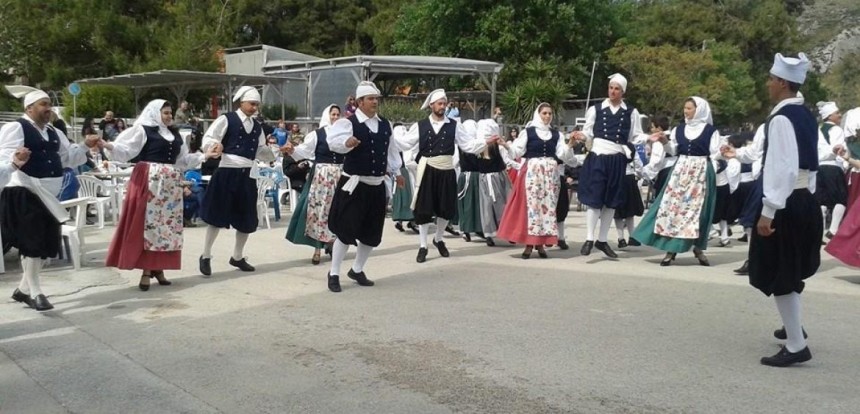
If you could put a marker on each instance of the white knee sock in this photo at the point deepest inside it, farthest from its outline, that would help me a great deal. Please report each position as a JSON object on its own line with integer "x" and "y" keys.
{"x": 30, "y": 278}
{"x": 789, "y": 310}
{"x": 239, "y": 248}
{"x": 361, "y": 255}
{"x": 592, "y": 216}
{"x": 560, "y": 230}
{"x": 606, "y": 216}
{"x": 838, "y": 214}
{"x": 724, "y": 230}
{"x": 748, "y": 231}
{"x": 630, "y": 224}
{"x": 211, "y": 235}
{"x": 619, "y": 227}
{"x": 423, "y": 229}
{"x": 338, "y": 252}
{"x": 824, "y": 217}
{"x": 441, "y": 224}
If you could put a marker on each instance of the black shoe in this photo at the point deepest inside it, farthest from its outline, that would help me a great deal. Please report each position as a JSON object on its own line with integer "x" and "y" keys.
{"x": 451, "y": 231}
{"x": 360, "y": 278}
{"x": 668, "y": 259}
{"x": 443, "y": 251}
{"x": 542, "y": 254}
{"x": 586, "y": 248}
{"x": 328, "y": 247}
{"x": 829, "y": 235}
{"x": 490, "y": 241}
{"x": 144, "y": 286}
{"x": 780, "y": 334}
{"x": 527, "y": 253}
{"x": 22, "y": 297}
{"x": 744, "y": 238}
{"x": 399, "y": 226}
{"x": 633, "y": 242}
{"x": 243, "y": 265}
{"x": 744, "y": 269}
{"x": 725, "y": 243}
{"x": 562, "y": 244}
{"x": 700, "y": 256}
{"x": 40, "y": 303}
{"x": 158, "y": 275}
{"x": 604, "y": 247}
{"x": 784, "y": 358}
{"x": 412, "y": 226}
{"x": 622, "y": 243}
{"x": 467, "y": 237}
{"x": 422, "y": 255}
{"x": 333, "y": 283}
{"x": 205, "y": 266}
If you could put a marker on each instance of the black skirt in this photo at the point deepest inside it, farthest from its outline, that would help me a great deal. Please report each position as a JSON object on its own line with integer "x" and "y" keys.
{"x": 752, "y": 206}
{"x": 27, "y": 224}
{"x": 634, "y": 206}
{"x": 360, "y": 216}
{"x": 721, "y": 210}
{"x": 831, "y": 187}
{"x": 562, "y": 207}
{"x": 437, "y": 196}
{"x": 781, "y": 262}
{"x": 738, "y": 199}
{"x": 601, "y": 181}
{"x": 231, "y": 200}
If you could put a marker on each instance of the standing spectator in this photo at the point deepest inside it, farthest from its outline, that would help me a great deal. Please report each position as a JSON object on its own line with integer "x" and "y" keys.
{"x": 108, "y": 127}
{"x": 182, "y": 115}
{"x": 453, "y": 111}
{"x": 281, "y": 134}
{"x": 120, "y": 125}
{"x": 296, "y": 136}
{"x": 350, "y": 107}
{"x": 87, "y": 127}
{"x": 57, "y": 122}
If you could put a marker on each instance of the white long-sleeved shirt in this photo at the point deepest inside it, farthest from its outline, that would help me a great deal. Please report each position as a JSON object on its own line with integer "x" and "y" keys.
{"x": 341, "y": 131}
{"x": 307, "y": 149}
{"x": 562, "y": 151}
{"x": 71, "y": 155}
{"x": 658, "y": 161}
{"x": 781, "y": 169}
{"x": 462, "y": 137}
{"x": 825, "y": 149}
{"x": 130, "y": 142}
{"x": 603, "y": 146}
{"x": 216, "y": 133}
{"x": 753, "y": 152}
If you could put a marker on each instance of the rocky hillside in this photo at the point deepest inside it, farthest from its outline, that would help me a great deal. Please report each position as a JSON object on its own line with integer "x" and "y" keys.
{"x": 832, "y": 31}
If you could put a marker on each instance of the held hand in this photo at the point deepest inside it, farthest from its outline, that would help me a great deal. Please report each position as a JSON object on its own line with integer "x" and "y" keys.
{"x": 218, "y": 148}
{"x": 287, "y": 148}
{"x": 840, "y": 151}
{"x": 728, "y": 152}
{"x": 401, "y": 182}
{"x": 212, "y": 152}
{"x": 578, "y": 135}
{"x": 658, "y": 137}
{"x": 352, "y": 142}
{"x": 92, "y": 141}
{"x": 764, "y": 226}
{"x": 22, "y": 155}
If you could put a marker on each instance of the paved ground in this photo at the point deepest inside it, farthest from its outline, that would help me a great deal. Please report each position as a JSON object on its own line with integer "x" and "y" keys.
{"x": 483, "y": 331}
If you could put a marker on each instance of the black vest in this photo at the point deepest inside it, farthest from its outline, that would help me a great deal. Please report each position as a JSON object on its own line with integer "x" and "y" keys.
{"x": 805, "y": 132}
{"x": 613, "y": 127}
{"x": 536, "y": 147}
{"x": 697, "y": 147}
{"x": 238, "y": 142}
{"x": 431, "y": 144}
{"x": 322, "y": 153}
{"x": 370, "y": 157}
{"x": 468, "y": 162}
{"x": 44, "y": 155}
{"x": 157, "y": 149}
{"x": 493, "y": 164}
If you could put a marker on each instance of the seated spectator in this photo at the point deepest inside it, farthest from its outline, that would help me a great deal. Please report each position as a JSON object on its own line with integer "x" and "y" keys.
{"x": 296, "y": 136}
{"x": 281, "y": 134}
{"x": 108, "y": 127}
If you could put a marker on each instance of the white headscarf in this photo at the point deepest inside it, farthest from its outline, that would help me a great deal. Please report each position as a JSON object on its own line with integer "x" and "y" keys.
{"x": 325, "y": 118}
{"x": 31, "y": 95}
{"x": 703, "y": 113}
{"x": 151, "y": 115}
{"x": 487, "y": 128}
{"x": 470, "y": 126}
{"x": 825, "y": 109}
{"x": 536, "y": 120}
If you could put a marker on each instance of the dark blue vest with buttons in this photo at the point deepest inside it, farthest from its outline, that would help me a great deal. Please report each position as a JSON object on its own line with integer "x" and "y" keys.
{"x": 613, "y": 127}
{"x": 805, "y": 132}
{"x": 44, "y": 155}
{"x": 536, "y": 147}
{"x": 157, "y": 149}
{"x": 698, "y": 147}
{"x": 370, "y": 157}
{"x": 238, "y": 142}
{"x": 322, "y": 153}
{"x": 746, "y": 168}
{"x": 431, "y": 144}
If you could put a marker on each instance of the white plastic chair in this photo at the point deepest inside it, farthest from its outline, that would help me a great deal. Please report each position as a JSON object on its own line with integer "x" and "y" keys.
{"x": 90, "y": 188}
{"x": 73, "y": 229}
{"x": 287, "y": 188}
{"x": 264, "y": 184}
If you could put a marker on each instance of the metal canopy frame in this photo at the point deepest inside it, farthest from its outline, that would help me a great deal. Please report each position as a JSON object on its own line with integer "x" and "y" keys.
{"x": 179, "y": 82}
{"x": 369, "y": 67}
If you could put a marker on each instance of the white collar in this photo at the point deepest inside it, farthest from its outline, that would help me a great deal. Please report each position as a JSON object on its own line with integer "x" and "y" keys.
{"x": 362, "y": 118}
{"x": 32, "y": 122}
{"x": 787, "y": 101}
{"x": 242, "y": 116}
{"x": 607, "y": 102}
{"x": 444, "y": 120}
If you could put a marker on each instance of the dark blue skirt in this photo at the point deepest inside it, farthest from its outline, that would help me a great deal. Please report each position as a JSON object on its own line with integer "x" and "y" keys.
{"x": 601, "y": 181}
{"x": 231, "y": 200}
{"x": 753, "y": 205}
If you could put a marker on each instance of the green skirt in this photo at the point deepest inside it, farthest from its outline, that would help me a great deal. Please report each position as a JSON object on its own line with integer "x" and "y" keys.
{"x": 401, "y": 202}
{"x": 296, "y": 231}
{"x": 469, "y": 203}
{"x": 644, "y": 232}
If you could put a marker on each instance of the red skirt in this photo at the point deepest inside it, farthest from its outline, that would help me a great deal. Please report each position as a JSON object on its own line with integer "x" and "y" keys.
{"x": 126, "y": 248}
{"x": 514, "y": 223}
{"x": 853, "y": 187}
{"x": 845, "y": 244}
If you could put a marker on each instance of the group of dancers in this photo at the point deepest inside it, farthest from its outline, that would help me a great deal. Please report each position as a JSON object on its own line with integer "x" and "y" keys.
{"x": 363, "y": 163}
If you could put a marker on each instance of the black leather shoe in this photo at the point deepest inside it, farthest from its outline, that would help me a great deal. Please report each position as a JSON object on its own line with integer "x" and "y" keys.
{"x": 829, "y": 235}
{"x": 562, "y": 244}
{"x": 40, "y": 303}
{"x": 144, "y": 286}
{"x": 467, "y": 237}
{"x": 700, "y": 256}
{"x": 586, "y": 248}
{"x": 668, "y": 259}
{"x": 22, "y": 297}
{"x": 412, "y": 226}
{"x": 604, "y": 247}
{"x": 542, "y": 254}
{"x": 744, "y": 269}
{"x": 527, "y": 253}
{"x": 451, "y": 231}
{"x": 159, "y": 276}
{"x": 784, "y": 358}
{"x": 633, "y": 242}
{"x": 243, "y": 265}
{"x": 205, "y": 266}
{"x": 490, "y": 241}
{"x": 622, "y": 243}
{"x": 780, "y": 334}
{"x": 443, "y": 251}
{"x": 399, "y": 226}
{"x": 744, "y": 238}
{"x": 422, "y": 255}
{"x": 360, "y": 278}
{"x": 333, "y": 283}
